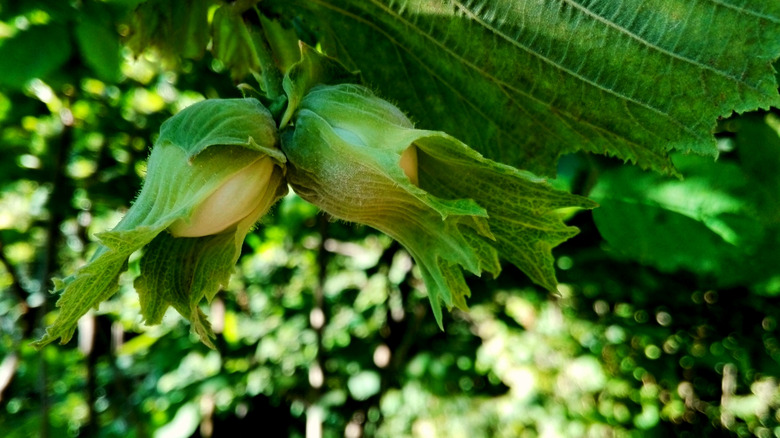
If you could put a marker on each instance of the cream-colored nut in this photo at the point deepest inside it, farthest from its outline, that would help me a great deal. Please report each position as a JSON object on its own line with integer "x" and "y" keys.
{"x": 409, "y": 164}
{"x": 233, "y": 201}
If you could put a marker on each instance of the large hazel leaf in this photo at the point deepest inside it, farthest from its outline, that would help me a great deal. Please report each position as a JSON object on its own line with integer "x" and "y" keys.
{"x": 524, "y": 81}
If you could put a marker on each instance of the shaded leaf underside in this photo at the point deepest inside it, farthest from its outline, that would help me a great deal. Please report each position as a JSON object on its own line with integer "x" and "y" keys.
{"x": 524, "y": 81}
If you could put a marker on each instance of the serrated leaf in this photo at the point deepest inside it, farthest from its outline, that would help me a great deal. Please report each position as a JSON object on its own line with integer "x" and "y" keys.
{"x": 521, "y": 208}
{"x": 94, "y": 283}
{"x": 523, "y": 81}
{"x": 180, "y": 272}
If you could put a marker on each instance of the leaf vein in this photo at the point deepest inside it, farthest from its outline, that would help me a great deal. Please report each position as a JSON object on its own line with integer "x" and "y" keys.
{"x": 578, "y": 76}
{"x": 747, "y": 11}
{"x": 501, "y": 84}
{"x": 656, "y": 47}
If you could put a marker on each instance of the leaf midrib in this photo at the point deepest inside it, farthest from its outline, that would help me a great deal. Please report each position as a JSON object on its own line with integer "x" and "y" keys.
{"x": 658, "y": 48}
{"x": 769, "y": 18}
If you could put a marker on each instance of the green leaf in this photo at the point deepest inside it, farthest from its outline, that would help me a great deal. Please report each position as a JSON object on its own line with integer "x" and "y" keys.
{"x": 721, "y": 222}
{"x": 521, "y": 208}
{"x": 757, "y": 144}
{"x": 283, "y": 43}
{"x": 98, "y": 42}
{"x": 21, "y": 54}
{"x": 232, "y": 43}
{"x": 345, "y": 155}
{"x": 236, "y": 122}
{"x": 95, "y": 282}
{"x": 524, "y": 81}
{"x": 126, "y": 3}
{"x": 176, "y": 28}
{"x": 180, "y": 272}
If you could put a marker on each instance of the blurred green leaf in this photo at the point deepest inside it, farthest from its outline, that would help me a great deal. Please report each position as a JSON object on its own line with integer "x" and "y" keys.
{"x": 757, "y": 144}
{"x": 126, "y": 3}
{"x": 364, "y": 384}
{"x": 184, "y": 423}
{"x": 176, "y": 28}
{"x": 720, "y": 221}
{"x": 98, "y": 41}
{"x": 23, "y": 54}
